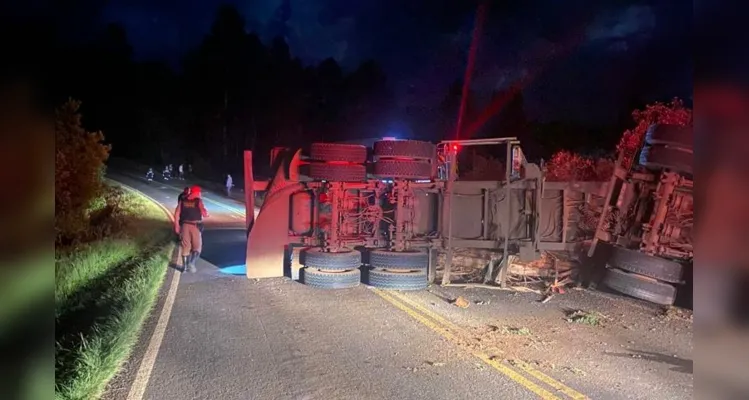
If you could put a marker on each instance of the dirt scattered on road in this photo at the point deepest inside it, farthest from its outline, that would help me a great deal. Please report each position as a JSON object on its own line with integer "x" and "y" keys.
{"x": 674, "y": 313}
{"x": 576, "y": 333}
{"x": 584, "y": 317}
{"x": 461, "y": 302}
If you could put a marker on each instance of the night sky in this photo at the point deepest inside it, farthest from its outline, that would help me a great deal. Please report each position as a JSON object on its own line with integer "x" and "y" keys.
{"x": 588, "y": 59}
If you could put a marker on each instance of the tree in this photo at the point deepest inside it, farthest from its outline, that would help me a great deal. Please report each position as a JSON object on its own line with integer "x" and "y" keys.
{"x": 672, "y": 113}
{"x": 79, "y": 165}
{"x": 327, "y": 94}
{"x": 279, "y": 24}
{"x": 566, "y": 165}
{"x": 366, "y": 102}
{"x": 234, "y": 93}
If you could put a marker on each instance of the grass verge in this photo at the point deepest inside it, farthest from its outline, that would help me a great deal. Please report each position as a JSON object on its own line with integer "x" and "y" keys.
{"x": 104, "y": 291}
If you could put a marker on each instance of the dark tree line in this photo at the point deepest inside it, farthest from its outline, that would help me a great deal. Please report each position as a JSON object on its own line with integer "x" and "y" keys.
{"x": 232, "y": 92}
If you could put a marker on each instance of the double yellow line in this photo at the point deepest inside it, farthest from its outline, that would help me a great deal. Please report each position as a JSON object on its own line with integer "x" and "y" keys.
{"x": 524, "y": 375}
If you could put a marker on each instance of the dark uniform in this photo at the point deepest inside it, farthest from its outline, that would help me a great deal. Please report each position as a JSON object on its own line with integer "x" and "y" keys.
{"x": 181, "y": 197}
{"x": 190, "y": 212}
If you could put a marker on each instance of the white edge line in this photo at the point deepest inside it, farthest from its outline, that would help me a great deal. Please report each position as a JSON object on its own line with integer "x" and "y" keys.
{"x": 139, "y": 385}
{"x": 138, "y": 388}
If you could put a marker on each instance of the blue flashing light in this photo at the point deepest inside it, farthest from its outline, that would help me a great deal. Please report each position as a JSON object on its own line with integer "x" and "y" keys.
{"x": 234, "y": 270}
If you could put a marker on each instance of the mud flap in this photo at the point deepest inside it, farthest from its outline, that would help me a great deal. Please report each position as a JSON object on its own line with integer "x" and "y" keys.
{"x": 269, "y": 234}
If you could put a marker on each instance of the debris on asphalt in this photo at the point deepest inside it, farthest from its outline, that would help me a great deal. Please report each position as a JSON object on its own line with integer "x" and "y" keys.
{"x": 584, "y": 317}
{"x": 676, "y": 313}
{"x": 435, "y": 364}
{"x": 516, "y": 331}
{"x": 543, "y": 364}
{"x": 575, "y": 371}
{"x": 482, "y": 302}
{"x": 461, "y": 302}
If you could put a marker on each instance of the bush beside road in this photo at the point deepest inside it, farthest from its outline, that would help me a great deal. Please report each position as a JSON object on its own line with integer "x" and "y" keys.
{"x": 105, "y": 290}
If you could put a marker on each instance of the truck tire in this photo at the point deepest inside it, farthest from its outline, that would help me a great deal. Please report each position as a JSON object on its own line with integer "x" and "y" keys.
{"x": 331, "y": 280}
{"x": 353, "y": 153}
{"x": 399, "y": 260}
{"x": 338, "y": 172}
{"x": 414, "y": 149}
{"x": 647, "y": 265}
{"x": 673, "y": 135}
{"x": 403, "y": 169}
{"x": 666, "y": 157}
{"x": 640, "y": 287}
{"x": 345, "y": 260}
{"x": 398, "y": 280}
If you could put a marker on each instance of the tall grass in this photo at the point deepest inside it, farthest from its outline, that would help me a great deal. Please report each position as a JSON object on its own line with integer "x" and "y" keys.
{"x": 104, "y": 292}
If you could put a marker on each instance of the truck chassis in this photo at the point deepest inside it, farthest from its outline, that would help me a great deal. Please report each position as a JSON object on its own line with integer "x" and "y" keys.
{"x": 335, "y": 211}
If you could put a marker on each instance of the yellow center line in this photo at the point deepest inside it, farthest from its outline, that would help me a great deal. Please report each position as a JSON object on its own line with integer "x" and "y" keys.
{"x": 521, "y": 365}
{"x": 447, "y": 334}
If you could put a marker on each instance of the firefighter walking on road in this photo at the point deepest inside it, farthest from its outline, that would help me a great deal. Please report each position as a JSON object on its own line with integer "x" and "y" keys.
{"x": 188, "y": 224}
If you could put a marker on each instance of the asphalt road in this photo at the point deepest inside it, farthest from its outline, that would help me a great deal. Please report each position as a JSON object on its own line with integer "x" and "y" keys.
{"x": 228, "y": 337}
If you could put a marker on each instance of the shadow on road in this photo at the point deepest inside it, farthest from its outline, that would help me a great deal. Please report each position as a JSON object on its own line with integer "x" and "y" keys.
{"x": 224, "y": 247}
{"x": 174, "y": 260}
{"x": 680, "y": 364}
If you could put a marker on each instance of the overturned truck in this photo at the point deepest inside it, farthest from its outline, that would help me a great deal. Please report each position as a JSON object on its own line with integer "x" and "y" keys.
{"x": 348, "y": 213}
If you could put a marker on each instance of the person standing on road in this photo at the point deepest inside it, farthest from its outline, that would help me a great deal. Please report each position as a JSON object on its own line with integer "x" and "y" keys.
{"x": 182, "y": 196}
{"x": 181, "y": 170}
{"x": 190, "y": 213}
{"x": 229, "y": 185}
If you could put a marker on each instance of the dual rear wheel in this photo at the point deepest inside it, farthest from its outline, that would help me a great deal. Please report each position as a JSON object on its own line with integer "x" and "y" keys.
{"x": 338, "y": 162}
{"x": 394, "y": 159}
{"x": 643, "y": 276}
{"x": 388, "y": 269}
{"x": 668, "y": 147}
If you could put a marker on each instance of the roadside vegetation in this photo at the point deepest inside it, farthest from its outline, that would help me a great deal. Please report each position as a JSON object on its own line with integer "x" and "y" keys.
{"x": 567, "y": 166}
{"x": 112, "y": 246}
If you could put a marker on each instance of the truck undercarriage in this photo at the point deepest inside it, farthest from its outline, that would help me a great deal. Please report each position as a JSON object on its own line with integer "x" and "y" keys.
{"x": 349, "y": 214}
{"x": 335, "y": 211}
